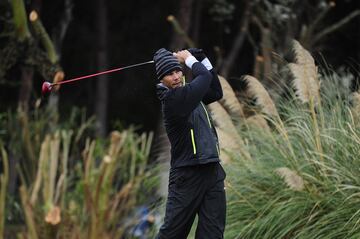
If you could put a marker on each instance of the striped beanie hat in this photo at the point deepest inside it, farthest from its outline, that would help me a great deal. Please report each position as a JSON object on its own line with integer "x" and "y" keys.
{"x": 165, "y": 63}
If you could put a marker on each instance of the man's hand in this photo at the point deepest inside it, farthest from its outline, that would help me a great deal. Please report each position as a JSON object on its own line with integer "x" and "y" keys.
{"x": 197, "y": 53}
{"x": 182, "y": 55}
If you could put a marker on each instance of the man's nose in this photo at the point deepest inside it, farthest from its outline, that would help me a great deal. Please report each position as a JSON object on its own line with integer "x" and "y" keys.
{"x": 175, "y": 76}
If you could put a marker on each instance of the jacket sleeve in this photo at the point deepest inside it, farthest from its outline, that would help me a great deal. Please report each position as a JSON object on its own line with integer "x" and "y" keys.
{"x": 214, "y": 92}
{"x": 183, "y": 100}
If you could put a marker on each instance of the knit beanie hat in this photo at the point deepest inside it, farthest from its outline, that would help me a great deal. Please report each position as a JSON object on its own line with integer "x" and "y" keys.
{"x": 165, "y": 62}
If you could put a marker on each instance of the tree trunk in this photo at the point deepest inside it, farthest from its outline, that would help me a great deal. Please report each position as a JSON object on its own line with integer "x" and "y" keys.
{"x": 266, "y": 50}
{"x": 238, "y": 42}
{"x": 197, "y": 22}
{"x": 184, "y": 18}
{"x": 13, "y": 175}
{"x": 23, "y": 35}
{"x": 60, "y": 31}
{"x": 101, "y": 100}
{"x": 25, "y": 88}
{"x": 266, "y": 46}
{"x": 57, "y": 39}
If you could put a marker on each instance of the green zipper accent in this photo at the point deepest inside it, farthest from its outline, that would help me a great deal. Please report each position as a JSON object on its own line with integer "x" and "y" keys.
{"x": 217, "y": 148}
{"x": 193, "y": 140}
{"x": 207, "y": 115}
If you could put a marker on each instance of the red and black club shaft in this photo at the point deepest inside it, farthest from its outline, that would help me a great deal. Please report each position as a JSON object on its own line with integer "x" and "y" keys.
{"x": 47, "y": 86}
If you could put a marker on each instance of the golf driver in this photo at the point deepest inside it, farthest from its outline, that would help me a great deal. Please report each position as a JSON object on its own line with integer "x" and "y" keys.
{"x": 47, "y": 86}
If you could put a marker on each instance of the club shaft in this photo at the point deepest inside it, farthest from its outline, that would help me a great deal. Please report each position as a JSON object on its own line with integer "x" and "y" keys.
{"x": 101, "y": 73}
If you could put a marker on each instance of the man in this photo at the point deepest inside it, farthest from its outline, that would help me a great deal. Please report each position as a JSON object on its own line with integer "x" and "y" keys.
{"x": 196, "y": 179}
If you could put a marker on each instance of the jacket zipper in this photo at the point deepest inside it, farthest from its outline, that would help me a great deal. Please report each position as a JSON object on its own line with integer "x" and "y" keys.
{"x": 207, "y": 115}
{"x": 193, "y": 140}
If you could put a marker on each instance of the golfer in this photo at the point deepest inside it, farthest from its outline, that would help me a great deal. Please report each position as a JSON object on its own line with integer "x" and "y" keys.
{"x": 196, "y": 179}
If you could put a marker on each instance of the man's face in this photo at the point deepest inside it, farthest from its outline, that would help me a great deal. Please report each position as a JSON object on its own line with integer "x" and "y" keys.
{"x": 173, "y": 79}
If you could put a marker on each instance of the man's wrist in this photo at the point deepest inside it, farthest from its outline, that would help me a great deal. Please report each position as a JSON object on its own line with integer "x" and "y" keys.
{"x": 207, "y": 63}
{"x": 190, "y": 60}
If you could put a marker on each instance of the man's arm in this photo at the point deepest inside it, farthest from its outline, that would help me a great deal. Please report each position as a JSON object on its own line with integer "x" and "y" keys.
{"x": 183, "y": 100}
{"x": 214, "y": 92}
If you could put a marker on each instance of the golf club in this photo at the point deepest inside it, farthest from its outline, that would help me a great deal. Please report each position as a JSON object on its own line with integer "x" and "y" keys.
{"x": 47, "y": 86}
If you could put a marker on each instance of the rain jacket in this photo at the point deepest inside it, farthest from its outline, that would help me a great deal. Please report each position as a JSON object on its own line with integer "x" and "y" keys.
{"x": 188, "y": 124}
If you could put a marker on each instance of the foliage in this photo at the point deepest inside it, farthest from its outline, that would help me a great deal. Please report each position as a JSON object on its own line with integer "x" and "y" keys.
{"x": 71, "y": 185}
{"x": 320, "y": 151}
{"x": 23, "y": 44}
{"x": 221, "y": 10}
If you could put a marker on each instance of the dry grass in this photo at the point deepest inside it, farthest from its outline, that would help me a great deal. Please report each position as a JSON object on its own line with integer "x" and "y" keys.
{"x": 257, "y": 91}
{"x": 229, "y": 100}
{"x": 304, "y": 72}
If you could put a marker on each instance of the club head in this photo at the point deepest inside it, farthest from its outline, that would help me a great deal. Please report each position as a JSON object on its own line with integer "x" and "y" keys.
{"x": 46, "y": 88}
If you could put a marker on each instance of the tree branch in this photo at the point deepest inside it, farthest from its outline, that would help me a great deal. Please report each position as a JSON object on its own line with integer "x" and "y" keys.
{"x": 20, "y": 22}
{"x": 183, "y": 20}
{"x": 336, "y": 26}
{"x": 319, "y": 18}
{"x": 179, "y": 30}
{"x": 257, "y": 22}
{"x": 60, "y": 32}
{"x": 44, "y": 37}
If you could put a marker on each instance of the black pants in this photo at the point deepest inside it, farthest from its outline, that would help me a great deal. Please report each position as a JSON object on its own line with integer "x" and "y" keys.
{"x": 195, "y": 190}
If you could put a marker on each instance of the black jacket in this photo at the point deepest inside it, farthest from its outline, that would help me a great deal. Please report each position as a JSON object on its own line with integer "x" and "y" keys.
{"x": 188, "y": 125}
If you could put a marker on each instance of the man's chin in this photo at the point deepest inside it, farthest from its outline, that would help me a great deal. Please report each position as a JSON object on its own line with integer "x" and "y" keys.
{"x": 177, "y": 85}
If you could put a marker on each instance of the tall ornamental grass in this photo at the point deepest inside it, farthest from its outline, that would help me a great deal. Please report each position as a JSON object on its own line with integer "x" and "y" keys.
{"x": 303, "y": 179}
